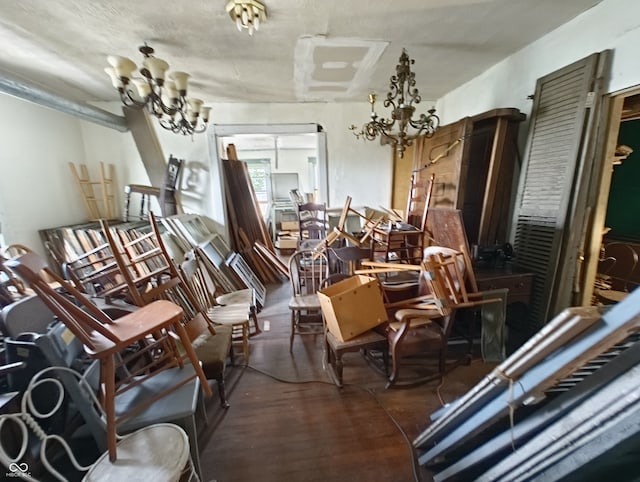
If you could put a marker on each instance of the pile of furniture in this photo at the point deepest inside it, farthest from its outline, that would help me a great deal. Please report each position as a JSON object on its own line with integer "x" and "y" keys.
{"x": 142, "y": 313}
{"x": 562, "y": 407}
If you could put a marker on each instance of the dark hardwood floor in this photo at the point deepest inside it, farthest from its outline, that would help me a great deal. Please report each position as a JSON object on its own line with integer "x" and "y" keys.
{"x": 289, "y": 422}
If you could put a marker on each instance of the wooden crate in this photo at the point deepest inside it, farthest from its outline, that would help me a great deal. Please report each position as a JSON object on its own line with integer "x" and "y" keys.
{"x": 352, "y": 306}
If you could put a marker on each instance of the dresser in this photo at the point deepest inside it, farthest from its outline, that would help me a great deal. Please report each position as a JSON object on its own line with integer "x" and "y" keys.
{"x": 519, "y": 284}
{"x": 473, "y": 162}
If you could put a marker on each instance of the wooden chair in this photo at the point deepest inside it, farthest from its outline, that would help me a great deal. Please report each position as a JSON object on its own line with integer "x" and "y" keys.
{"x": 370, "y": 227}
{"x": 233, "y": 311}
{"x": 312, "y": 219}
{"x": 424, "y": 324}
{"x": 618, "y": 261}
{"x": 155, "y": 452}
{"x": 12, "y": 289}
{"x": 58, "y": 348}
{"x": 212, "y": 350}
{"x": 151, "y": 329}
{"x": 418, "y": 201}
{"x": 166, "y": 194}
{"x": 398, "y": 243}
{"x": 151, "y": 274}
{"x": 308, "y": 269}
{"x": 15, "y": 250}
{"x": 96, "y": 273}
{"x": 363, "y": 343}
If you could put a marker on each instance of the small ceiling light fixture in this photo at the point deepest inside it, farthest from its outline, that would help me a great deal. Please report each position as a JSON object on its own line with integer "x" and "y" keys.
{"x": 165, "y": 99}
{"x": 401, "y": 97}
{"x": 248, "y": 14}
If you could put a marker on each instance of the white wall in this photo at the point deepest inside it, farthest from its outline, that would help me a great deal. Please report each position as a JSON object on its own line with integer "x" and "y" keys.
{"x": 37, "y": 189}
{"x": 612, "y": 24}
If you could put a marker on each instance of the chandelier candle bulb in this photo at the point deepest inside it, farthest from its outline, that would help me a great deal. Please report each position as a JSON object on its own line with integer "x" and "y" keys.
{"x": 157, "y": 68}
{"x": 171, "y": 91}
{"x": 181, "y": 80}
{"x": 115, "y": 80}
{"x": 122, "y": 66}
{"x": 195, "y": 105}
{"x": 142, "y": 87}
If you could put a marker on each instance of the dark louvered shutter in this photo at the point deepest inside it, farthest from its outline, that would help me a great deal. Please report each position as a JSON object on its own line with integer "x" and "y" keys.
{"x": 549, "y": 216}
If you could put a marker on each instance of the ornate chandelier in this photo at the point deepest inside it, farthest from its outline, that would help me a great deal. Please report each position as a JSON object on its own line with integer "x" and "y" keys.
{"x": 165, "y": 99}
{"x": 401, "y": 97}
{"x": 247, "y": 14}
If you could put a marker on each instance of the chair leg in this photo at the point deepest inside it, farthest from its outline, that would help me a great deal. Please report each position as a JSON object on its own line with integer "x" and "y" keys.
{"x": 254, "y": 317}
{"x": 245, "y": 342}
{"x": 395, "y": 347}
{"x": 395, "y": 368}
{"x": 191, "y": 354}
{"x": 189, "y": 426}
{"x": 442, "y": 362}
{"x": 108, "y": 375}
{"x": 293, "y": 330}
{"x": 232, "y": 356}
{"x": 142, "y": 202}
{"x": 339, "y": 366}
{"x": 127, "y": 200}
{"x": 221, "y": 391}
{"x": 385, "y": 358}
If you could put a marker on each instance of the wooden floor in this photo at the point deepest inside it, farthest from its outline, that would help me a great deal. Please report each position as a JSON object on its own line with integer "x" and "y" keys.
{"x": 289, "y": 422}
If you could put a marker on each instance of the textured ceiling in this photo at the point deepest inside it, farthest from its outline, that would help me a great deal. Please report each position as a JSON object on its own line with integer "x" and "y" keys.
{"x": 63, "y": 44}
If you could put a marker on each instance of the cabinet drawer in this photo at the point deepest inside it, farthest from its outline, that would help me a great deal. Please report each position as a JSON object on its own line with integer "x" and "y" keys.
{"x": 519, "y": 285}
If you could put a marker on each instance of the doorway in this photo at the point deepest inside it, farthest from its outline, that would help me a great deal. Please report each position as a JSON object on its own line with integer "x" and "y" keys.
{"x": 614, "y": 269}
{"x": 281, "y": 158}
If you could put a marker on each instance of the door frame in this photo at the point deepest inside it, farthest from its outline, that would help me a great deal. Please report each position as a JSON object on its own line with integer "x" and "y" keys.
{"x": 612, "y": 118}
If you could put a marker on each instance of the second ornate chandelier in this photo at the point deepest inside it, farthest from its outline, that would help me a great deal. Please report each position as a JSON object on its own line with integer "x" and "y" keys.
{"x": 164, "y": 98}
{"x": 401, "y": 97}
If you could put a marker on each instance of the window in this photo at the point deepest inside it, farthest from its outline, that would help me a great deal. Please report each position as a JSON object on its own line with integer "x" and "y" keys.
{"x": 260, "y": 174}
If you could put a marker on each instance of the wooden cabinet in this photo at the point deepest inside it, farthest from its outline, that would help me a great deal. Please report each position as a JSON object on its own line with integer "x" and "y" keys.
{"x": 473, "y": 161}
{"x": 518, "y": 284}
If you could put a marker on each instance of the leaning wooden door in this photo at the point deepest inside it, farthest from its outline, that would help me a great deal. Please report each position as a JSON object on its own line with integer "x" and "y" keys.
{"x": 551, "y": 212}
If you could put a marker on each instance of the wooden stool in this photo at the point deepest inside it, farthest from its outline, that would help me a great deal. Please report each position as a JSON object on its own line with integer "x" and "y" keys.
{"x": 365, "y": 341}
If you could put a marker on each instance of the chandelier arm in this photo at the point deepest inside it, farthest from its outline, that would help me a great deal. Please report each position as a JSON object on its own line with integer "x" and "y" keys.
{"x": 415, "y": 97}
{"x": 155, "y": 108}
{"x": 166, "y": 124}
{"x": 401, "y": 98}
{"x": 202, "y": 128}
{"x": 127, "y": 98}
{"x": 385, "y": 124}
{"x": 431, "y": 121}
{"x": 391, "y": 96}
{"x": 169, "y": 110}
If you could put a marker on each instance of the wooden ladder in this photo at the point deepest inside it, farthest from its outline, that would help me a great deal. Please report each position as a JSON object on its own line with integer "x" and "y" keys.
{"x": 97, "y": 207}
